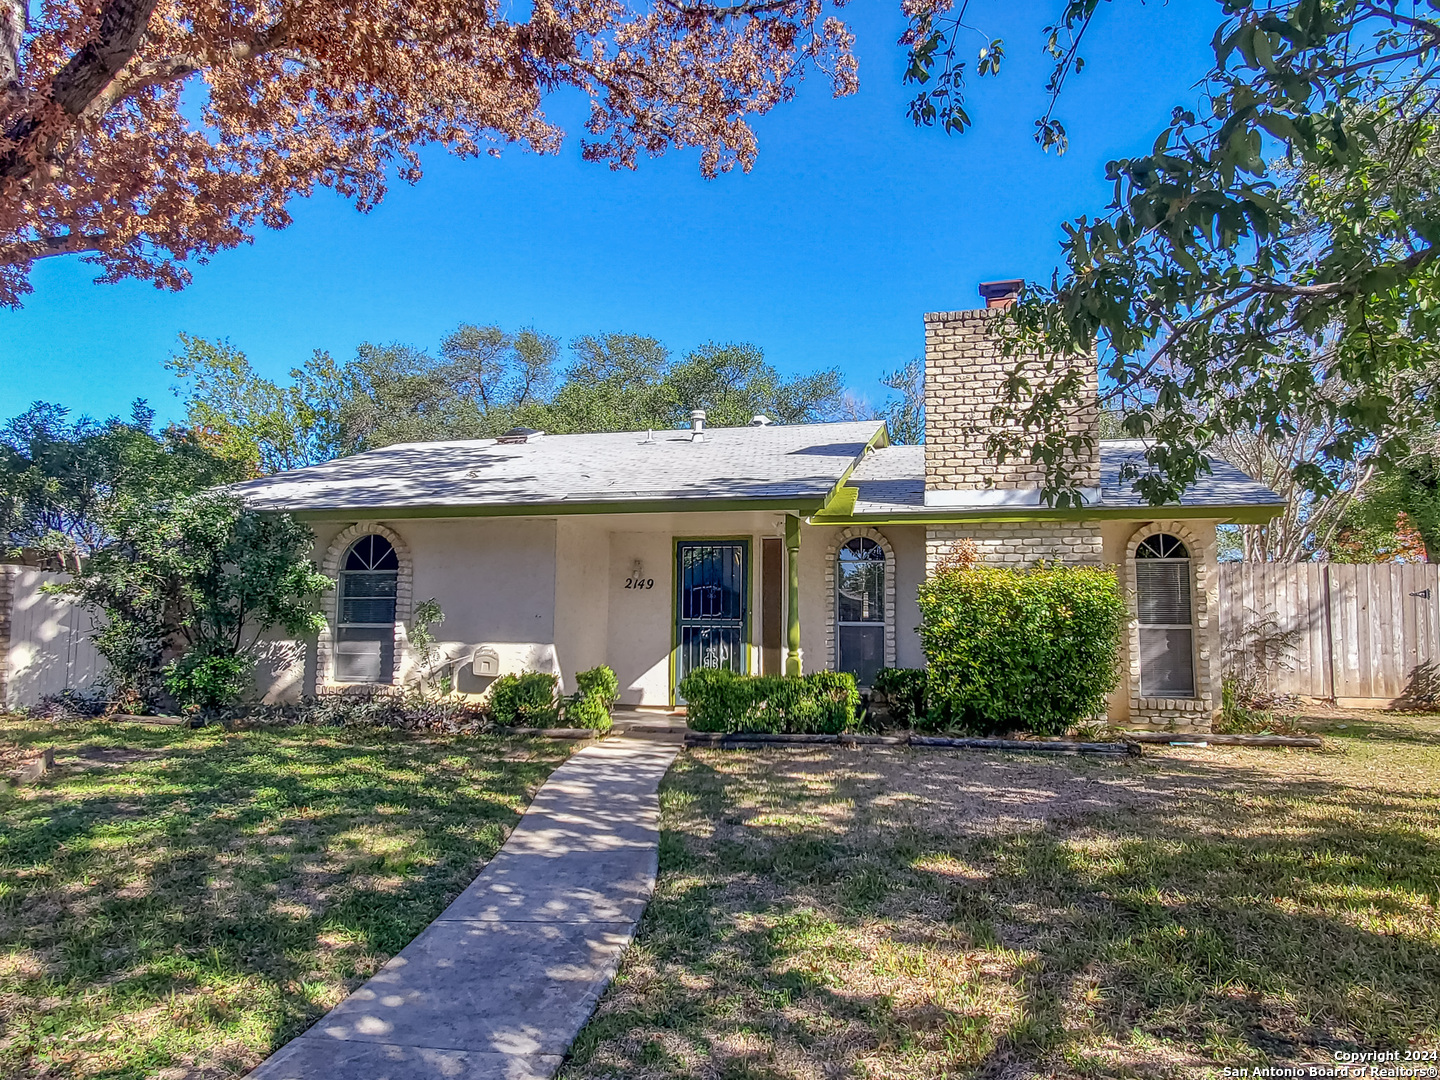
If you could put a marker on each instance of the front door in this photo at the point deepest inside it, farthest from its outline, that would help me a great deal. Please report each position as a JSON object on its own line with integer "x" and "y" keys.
{"x": 711, "y": 605}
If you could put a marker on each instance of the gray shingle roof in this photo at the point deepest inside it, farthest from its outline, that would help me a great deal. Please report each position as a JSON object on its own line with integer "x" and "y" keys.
{"x": 891, "y": 480}
{"x": 800, "y": 461}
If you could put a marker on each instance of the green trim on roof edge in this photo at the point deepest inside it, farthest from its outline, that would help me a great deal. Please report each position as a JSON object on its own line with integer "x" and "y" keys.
{"x": 880, "y": 439}
{"x": 1246, "y": 514}
{"x": 636, "y": 506}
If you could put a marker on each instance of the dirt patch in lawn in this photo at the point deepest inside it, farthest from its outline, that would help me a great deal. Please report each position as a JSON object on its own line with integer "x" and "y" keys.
{"x": 906, "y": 913}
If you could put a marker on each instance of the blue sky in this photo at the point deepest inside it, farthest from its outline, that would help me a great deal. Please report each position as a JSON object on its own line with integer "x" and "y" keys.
{"x": 851, "y": 225}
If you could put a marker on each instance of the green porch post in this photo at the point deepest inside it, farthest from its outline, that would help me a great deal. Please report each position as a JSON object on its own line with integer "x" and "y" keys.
{"x": 792, "y": 608}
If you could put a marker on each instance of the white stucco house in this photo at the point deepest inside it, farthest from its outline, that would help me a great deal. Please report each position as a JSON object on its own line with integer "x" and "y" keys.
{"x": 767, "y": 548}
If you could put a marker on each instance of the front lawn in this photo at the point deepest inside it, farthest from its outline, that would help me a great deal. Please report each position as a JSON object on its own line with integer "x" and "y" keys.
{"x": 905, "y": 914}
{"x": 176, "y": 903}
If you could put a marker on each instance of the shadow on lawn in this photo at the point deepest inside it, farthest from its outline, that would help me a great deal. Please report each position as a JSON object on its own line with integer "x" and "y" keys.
{"x": 1198, "y": 914}
{"x": 232, "y": 880}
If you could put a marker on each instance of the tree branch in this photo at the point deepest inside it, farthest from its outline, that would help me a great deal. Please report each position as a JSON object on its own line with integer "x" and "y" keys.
{"x": 76, "y": 85}
{"x": 27, "y": 251}
{"x": 14, "y": 21}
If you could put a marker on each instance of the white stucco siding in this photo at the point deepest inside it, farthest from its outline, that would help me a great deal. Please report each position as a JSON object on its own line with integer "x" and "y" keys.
{"x": 816, "y": 606}
{"x": 909, "y": 545}
{"x": 495, "y": 580}
{"x": 640, "y": 620}
{"x": 550, "y": 594}
{"x": 582, "y": 595}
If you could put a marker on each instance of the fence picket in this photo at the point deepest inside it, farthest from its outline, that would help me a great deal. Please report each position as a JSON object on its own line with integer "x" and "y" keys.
{"x": 1385, "y": 626}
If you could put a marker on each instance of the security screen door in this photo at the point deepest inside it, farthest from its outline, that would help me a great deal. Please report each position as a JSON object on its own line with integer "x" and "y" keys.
{"x": 711, "y": 604}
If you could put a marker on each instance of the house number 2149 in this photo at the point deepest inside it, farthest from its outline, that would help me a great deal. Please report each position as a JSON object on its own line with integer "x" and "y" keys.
{"x": 639, "y": 582}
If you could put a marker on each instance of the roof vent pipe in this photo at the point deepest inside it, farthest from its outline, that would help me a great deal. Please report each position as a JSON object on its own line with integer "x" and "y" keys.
{"x": 697, "y": 425}
{"x": 760, "y": 420}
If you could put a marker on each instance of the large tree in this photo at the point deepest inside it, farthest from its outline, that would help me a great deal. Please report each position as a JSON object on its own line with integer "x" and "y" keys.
{"x": 59, "y": 476}
{"x": 1272, "y": 261}
{"x": 483, "y": 382}
{"x": 148, "y": 133}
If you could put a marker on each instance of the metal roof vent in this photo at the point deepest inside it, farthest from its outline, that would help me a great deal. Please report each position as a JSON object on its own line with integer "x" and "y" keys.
{"x": 519, "y": 435}
{"x": 760, "y": 420}
{"x": 697, "y": 425}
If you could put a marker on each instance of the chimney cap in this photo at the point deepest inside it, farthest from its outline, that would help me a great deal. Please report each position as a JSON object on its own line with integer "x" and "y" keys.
{"x": 1001, "y": 293}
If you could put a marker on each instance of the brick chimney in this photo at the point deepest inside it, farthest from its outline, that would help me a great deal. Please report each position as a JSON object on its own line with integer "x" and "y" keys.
{"x": 964, "y": 380}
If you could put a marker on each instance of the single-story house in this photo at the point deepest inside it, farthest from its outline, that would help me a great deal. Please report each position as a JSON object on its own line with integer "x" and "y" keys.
{"x": 768, "y": 548}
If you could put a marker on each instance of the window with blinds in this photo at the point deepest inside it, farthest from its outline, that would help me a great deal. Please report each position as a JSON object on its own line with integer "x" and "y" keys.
{"x": 365, "y": 631}
{"x": 1167, "y": 628}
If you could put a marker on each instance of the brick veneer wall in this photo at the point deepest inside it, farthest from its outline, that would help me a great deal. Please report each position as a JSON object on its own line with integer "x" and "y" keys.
{"x": 1019, "y": 544}
{"x": 965, "y": 372}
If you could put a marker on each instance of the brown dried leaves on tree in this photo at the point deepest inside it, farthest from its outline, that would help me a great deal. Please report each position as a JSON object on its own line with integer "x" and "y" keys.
{"x": 147, "y": 133}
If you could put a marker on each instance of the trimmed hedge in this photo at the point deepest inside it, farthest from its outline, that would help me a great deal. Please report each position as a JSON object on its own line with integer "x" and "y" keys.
{"x": 526, "y": 700}
{"x": 823, "y": 702}
{"x": 589, "y": 707}
{"x": 905, "y": 691}
{"x": 587, "y": 711}
{"x": 599, "y": 682}
{"x": 1021, "y": 649}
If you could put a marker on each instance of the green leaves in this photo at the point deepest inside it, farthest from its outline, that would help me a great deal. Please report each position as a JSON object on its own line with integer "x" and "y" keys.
{"x": 58, "y": 475}
{"x": 484, "y": 382}
{"x": 200, "y": 575}
{"x": 1270, "y": 263}
{"x": 1021, "y": 649}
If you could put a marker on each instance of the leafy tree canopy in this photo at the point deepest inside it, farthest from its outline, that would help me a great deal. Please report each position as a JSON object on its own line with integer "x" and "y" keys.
{"x": 58, "y": 476}
{"x": 483, "y": 382}
{"x": 905, "y": 415}
{"x": 187, "y": 587}
{"x": 146, "y": 135}
{"x": 1401, "y": 505}
{"x": 1270, "y": 267}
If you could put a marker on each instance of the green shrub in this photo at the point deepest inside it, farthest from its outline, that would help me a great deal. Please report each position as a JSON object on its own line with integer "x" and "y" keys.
{"x": 197, "y": 680}
{"x": 720, "y": 700}
{"x": 1021, "y": 649}
{"x": 1239, "y": 715}
{"x": 525, "y": 700}
{"x": 599, "y": 682}
{"x": 905, "y": 691}
{"x": 587, "y": 711}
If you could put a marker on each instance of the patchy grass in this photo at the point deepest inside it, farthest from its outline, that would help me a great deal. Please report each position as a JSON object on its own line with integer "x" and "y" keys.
{"x": 178, "y": 903}
{"x": 895, "y": 913}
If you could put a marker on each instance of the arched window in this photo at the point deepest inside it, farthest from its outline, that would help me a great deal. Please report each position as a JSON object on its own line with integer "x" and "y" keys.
{"x": 860, "y": 608}
{"x": 1167, "y": 628}
{"x": 365, "y": 630}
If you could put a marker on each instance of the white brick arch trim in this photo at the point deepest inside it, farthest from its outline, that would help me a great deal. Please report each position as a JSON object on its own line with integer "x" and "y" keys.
{"x": 1202, "y": 559}
{"x": 832, "y": 636}
{"x": 404, "y": 595}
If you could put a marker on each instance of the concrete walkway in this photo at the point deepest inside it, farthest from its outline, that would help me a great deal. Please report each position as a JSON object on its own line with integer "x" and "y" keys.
{"x": 499, "y": 985}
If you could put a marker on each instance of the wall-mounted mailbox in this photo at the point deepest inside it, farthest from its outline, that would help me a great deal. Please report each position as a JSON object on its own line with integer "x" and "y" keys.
{"x": 486, "y": 661}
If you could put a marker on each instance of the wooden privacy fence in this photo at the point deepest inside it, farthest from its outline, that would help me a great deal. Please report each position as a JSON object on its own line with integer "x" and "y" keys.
{"x": 1358, "y": 634}
{"x": 45, "y": 642}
